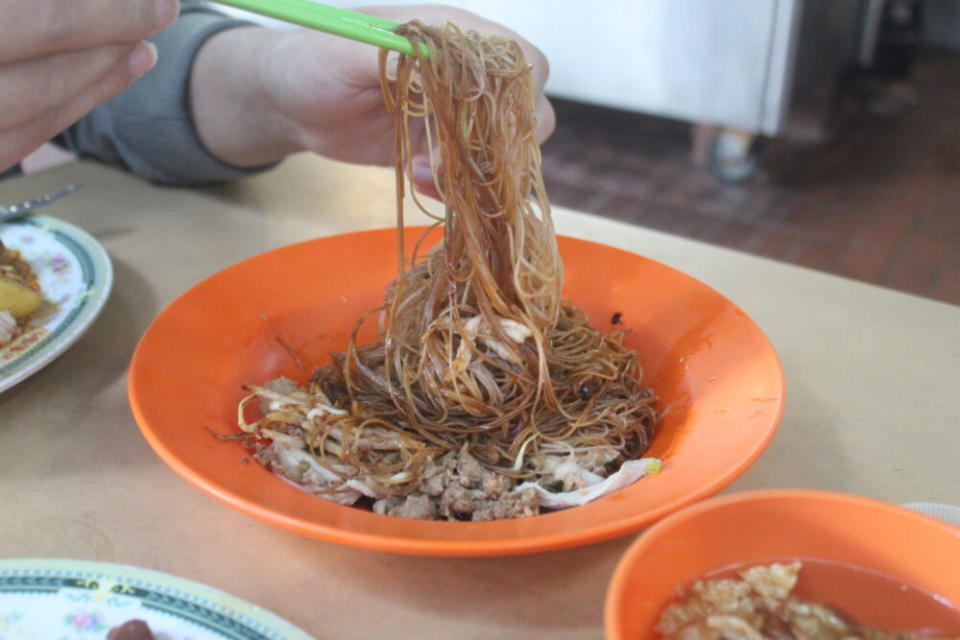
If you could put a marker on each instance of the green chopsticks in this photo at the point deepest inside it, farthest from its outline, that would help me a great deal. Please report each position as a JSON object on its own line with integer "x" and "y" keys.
{"x": 341, "y": 22}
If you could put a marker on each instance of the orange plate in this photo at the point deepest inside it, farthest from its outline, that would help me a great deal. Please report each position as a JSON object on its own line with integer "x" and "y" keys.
{"x": 710, "y": 364}
{"x": 850, "y": 540}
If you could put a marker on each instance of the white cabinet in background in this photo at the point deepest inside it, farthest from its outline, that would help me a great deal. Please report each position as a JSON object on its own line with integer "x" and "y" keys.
{"x": 723, "y": 62}
{"x": 738, "y": 66}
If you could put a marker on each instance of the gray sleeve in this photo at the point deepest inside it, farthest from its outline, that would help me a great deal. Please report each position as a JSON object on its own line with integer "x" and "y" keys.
{"x": 148, "y": 129}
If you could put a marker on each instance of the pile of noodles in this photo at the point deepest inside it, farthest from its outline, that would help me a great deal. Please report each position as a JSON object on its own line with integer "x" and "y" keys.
{"x": 476, "y": 348}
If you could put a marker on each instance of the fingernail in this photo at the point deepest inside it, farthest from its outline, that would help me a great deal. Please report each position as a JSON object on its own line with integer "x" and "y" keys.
{"x": 165, "y": 12}
{"x": 420, "y": 169}
{"x": 143, "y": 58}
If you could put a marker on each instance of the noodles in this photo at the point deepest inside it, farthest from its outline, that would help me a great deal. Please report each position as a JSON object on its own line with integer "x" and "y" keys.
{"x": 482, "y": 377}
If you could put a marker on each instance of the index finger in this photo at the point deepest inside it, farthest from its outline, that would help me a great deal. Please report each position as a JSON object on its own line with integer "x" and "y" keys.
{"x": 30, "y": 28}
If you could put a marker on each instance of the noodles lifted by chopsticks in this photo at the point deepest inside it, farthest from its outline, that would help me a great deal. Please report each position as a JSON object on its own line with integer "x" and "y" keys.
{"x": 486, "y": 395}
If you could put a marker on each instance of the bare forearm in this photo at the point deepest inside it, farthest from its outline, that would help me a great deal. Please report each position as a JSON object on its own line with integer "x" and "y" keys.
{"x": 232, "y": 111}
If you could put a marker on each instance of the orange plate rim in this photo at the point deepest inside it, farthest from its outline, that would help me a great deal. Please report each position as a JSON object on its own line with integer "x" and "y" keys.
{"x": 446, "y": 547}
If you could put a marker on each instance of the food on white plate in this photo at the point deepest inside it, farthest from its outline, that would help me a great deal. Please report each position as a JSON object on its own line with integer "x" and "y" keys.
{"x": 20, "y": 294}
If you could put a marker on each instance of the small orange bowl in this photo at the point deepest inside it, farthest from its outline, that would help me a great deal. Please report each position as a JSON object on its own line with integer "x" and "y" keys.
{"x": 265, "y": 317}
{"x": 883, "y": 565}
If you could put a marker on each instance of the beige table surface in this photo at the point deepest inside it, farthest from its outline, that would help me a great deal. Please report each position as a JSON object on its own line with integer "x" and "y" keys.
{"x": 873, "y": 407}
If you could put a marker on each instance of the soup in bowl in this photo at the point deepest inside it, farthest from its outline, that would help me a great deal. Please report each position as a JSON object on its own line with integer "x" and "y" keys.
{"x": 881, "y": 566}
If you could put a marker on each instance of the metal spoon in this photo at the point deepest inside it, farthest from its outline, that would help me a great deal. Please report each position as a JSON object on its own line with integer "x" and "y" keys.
{"x": 17, "y": 210}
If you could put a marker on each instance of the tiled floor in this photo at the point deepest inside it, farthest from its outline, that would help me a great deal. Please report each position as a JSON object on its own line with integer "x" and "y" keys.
{"x": 880, "y": 202}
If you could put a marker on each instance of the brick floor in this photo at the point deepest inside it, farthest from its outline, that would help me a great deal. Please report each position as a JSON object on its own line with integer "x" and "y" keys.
{"x": 879, "y": 202}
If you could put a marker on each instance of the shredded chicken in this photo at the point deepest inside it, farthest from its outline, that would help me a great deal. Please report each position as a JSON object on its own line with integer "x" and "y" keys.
{"x": 580, "y": 488}
{"x": 475, "y": 330}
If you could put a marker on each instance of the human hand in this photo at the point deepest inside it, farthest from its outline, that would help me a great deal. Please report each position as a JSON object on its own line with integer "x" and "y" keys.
{"x": 60, "y": 58}
{"x": 320, "y": 93}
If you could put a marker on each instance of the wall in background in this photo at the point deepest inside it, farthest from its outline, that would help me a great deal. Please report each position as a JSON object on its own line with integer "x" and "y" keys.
{"x": 724, "y": 63}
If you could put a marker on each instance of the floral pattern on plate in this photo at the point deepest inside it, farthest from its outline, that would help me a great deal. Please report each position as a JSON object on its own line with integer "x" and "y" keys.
{"x": 50, "y": 599}
{"x": 75, "y": 276}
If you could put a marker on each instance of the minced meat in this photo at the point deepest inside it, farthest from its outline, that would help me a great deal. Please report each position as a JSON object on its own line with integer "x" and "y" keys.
{"x": 458, "y": 487}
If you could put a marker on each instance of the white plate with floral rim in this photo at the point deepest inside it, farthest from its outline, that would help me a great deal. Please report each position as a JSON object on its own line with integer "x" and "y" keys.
{"x": 53, "y": 599}
{"x": 75, "y": 275}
